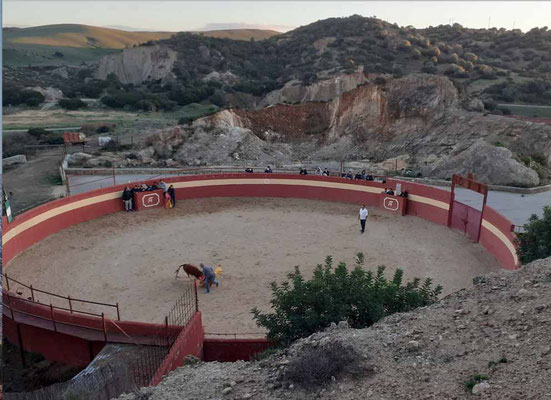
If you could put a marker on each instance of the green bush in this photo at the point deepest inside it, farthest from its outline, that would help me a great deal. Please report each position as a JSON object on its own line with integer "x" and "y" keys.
{"x": 37, "y": 133}
{"x": 71, "y": 104}
{"x": 535, "y": 242}
{"x": 302, "y": 307}
{"x": 14, "y": 96}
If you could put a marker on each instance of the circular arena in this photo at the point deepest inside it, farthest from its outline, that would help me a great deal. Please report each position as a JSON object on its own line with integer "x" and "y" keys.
{"x": 256, "y": 226}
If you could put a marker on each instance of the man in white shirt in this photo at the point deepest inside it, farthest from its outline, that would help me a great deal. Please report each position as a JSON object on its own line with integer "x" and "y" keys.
{"x": 363, "y": 217}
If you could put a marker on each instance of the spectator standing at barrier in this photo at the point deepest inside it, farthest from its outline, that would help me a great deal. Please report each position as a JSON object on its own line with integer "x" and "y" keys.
{"x": 172, "y": 194}
{"x": 363, "y": 217}
{"x": 325, "y": 172}
{"x": 303, "y": 171}
{"x": 268, "y": 170}
{"x": 208, "y": 273}
{"x": 127, "y": 198}
{"x": 318, "y": 171}
{"x": 163, "y": 186}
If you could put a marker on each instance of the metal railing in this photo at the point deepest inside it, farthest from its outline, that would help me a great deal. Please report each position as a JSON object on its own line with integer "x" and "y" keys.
{"x": 175, "y": 321}
{"x": 13, "y": 285}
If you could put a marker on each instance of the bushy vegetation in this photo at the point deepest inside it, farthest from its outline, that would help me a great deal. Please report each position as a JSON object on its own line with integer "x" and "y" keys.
{"x": 314, "y": 367}
{"x": 302, "y": 307}
{"x": 14, "y": 96}
{"x": 518, "y": 62}
{"x": 535, "y": 242}
{"x": 71, "y": 104}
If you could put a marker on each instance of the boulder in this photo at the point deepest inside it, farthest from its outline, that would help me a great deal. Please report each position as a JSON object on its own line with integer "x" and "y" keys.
{"x": 489, "y": 164}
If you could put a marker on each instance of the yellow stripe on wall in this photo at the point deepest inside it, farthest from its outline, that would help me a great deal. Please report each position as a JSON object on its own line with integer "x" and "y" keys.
{"x": 501, "y": 236}
{"x": 10, "y": 234}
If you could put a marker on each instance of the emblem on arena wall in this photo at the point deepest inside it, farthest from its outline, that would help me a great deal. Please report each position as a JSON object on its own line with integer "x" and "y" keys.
{"x": 390, "y": 204}
{"x": 151, "y": 200}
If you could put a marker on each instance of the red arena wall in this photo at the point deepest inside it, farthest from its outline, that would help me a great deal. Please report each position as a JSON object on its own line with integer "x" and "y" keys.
{"x": 423, "y": 201}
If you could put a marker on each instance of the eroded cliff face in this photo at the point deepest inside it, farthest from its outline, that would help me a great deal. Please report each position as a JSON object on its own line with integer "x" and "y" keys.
{"x": 325, "y": 90}
{"x": 418, "y": 115}
{"x": 138, "y": 64}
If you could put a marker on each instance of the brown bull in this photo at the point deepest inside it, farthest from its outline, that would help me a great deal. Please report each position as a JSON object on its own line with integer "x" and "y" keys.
{"x": 190, "y": 270}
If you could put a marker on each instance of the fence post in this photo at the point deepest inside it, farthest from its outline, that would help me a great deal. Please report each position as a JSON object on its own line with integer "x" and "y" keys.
{"x": 20, "y": 340}
{"x": 53, "y": 316}
{"x": 114, "y": 179}
{"x": 67, "y": 185}
{"x": 196, "y": 298}
{"x": 104, "y": 327}
{"x": 7, "y": 281}
{"x": 70, "y": 304}
{"x": 32, "y": 292}
{"x": 166, "y": 326}
{"x": 118, "y": 313}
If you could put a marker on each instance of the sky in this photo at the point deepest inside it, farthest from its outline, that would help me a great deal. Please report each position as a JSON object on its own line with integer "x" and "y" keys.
{"x": 278, "y": 15}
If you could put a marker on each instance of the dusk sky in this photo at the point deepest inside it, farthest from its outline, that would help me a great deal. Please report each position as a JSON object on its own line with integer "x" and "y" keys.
{"x": 278, "y": 15}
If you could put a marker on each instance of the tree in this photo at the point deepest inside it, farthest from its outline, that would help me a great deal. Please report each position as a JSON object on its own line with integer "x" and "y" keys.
{"x": 535, "y": 242}
{"x": 302, "y": 307}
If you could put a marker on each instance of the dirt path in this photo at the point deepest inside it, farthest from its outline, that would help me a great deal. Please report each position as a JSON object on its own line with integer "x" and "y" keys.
{"x": 131, "y": 257}
{"x": 34, "y": 182}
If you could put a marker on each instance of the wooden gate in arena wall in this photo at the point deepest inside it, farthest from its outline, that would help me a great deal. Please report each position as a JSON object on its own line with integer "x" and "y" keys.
{"x": 462, "y": 217}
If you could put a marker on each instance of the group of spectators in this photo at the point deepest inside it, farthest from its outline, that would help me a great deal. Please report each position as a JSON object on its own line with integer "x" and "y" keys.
{"x": 169, "y": 194}
{"x": 389, "y": 191}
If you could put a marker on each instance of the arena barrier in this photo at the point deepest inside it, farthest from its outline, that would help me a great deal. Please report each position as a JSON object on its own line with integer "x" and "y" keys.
{"x": 426, "y": 202}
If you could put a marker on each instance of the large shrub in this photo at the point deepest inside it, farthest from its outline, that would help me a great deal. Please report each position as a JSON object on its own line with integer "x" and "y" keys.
{"x": 302, "y": 307}
{"x": 535, "y": 242}
{"x": 71, "y": 104}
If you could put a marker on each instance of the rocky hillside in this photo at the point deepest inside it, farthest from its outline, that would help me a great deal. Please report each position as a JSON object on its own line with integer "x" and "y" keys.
{"x": 490, "y": 341}
{"x": 419, "y": 119}
{"x": 503, "y": 65}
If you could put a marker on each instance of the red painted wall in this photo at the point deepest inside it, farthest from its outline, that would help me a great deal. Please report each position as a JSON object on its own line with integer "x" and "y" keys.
{"x": 495, "y": 246}
{"x": 189, "y": 342}
{"x": 230, "y": 350}
{"x": 54, "y": 346}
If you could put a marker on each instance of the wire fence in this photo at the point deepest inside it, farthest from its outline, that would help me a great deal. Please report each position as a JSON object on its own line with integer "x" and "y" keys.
{"x": 178, "y": 317}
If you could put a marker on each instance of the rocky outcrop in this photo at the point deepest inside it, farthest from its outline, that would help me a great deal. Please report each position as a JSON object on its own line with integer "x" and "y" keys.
{"x": 325, "y": 90}
{"x": 497, "y": 329}
{"x": 491, "y": 163}
{"x": 418, "y": 115}
{"x": 138, "y": 64}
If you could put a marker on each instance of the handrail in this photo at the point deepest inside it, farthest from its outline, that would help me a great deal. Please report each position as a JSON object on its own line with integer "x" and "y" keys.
{"x": 70, "y": 300}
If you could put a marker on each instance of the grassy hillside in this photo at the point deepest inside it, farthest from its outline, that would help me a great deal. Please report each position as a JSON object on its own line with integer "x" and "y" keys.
{"x": 72, "y": 44}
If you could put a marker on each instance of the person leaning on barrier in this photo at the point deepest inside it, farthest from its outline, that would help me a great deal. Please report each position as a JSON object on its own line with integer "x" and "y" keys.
{"x": 404, "y": 193}
{"x": 325, "y": 172}
{"x": 249, "y": 170}
{"x": 127, "y": 198}
{"x": 172, "y": 194}
{"x": 303, "y": 171}
{"x": 318, "y": 171}
{"x": 268, "y": 170}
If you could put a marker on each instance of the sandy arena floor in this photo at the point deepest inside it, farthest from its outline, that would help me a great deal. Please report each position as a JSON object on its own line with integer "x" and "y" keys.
{"x": 130, "y": 258}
